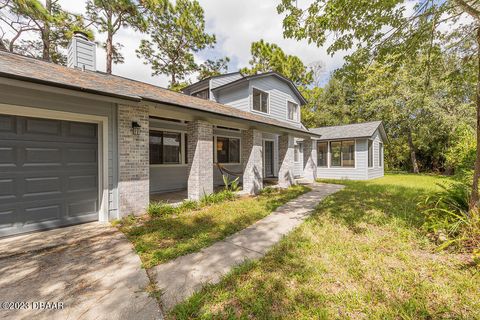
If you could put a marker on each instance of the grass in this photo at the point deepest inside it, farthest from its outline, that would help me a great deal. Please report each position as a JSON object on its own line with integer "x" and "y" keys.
{"x": 362, "y": 255}
{"x": 163, "y": 236}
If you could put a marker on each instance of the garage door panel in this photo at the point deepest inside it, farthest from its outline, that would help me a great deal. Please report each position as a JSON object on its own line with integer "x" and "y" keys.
{"x": 48, "y": 174}
{"x": 7, "y": 124}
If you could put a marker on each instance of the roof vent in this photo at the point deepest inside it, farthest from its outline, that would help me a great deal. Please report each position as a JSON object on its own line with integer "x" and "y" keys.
{"x": 81, "y": 52}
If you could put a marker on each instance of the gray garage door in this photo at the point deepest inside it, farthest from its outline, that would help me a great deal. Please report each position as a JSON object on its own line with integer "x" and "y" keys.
{"x": 48, "y": 173}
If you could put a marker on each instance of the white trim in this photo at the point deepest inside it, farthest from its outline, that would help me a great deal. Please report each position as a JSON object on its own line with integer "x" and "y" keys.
{"x": 373, "y": 154}
{"x": 287, "y": 100}
{"x": 101, "y": 121}
{"x": 215, "y": 149}
{"x": 380, "y": 153}
{"x": 251, "y": 101}
{"x": 341, "y": 159}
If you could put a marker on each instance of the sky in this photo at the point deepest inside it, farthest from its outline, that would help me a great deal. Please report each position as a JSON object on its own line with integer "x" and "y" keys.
{"x": 236, "y": 24}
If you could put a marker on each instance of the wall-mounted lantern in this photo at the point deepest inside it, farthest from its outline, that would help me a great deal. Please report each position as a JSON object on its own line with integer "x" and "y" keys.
{"x": 136, "y": 128}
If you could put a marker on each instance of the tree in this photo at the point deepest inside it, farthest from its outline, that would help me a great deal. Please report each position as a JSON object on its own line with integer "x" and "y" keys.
{"x": 270, "y": 57}
{"x": 108, "y": 16}
{"x": 212, "y": 68}
{"x": 176, "y": 33}
{"x": 52, "y": 26}
{"x": 385, "y": 28}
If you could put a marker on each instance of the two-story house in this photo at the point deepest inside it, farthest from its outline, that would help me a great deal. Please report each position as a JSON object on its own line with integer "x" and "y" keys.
{"x": 79, "y": 145}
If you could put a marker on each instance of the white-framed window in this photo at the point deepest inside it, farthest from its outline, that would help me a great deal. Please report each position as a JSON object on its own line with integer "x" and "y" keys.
{"x": 292, "y": 111}
{"x": 227, "y": 149}
{"x": 342, "y": 153}
{"x": 370, "y": 153}
{"x": 380, "y": 154}
{"x": 165, "y": 147}
{"x": 322, "y": 153}
{"x": 260, "y": 100}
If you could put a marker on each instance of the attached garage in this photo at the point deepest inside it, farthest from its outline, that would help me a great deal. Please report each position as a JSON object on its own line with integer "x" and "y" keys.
{"x": 49, "y": 173}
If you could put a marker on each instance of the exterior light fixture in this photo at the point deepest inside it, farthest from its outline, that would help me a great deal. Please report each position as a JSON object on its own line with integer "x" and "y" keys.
{"x": 136, "y": 128}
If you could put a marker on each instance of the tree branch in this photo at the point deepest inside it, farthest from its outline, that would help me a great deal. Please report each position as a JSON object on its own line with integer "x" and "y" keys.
{"x": 469, "y": 9}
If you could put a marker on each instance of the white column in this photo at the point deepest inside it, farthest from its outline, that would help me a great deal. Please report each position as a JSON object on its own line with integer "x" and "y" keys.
{"x": 252, "y": 159}
{"x": 200, "y": 159}
{"x": 309, "y": 160}
{"x": 286, "y": 160}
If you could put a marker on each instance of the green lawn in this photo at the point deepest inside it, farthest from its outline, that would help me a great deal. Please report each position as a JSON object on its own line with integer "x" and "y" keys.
{"x": 162, "y": 238}
{"x": 362, "y": 255}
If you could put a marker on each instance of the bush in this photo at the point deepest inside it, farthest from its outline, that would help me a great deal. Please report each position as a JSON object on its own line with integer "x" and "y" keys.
{"x": 160, "y": 209}
{"x": 217, "y": 197}
{"x": 461, "y": 155}
{"x": 448, "y": 218}
{"x": 188, "y": 205}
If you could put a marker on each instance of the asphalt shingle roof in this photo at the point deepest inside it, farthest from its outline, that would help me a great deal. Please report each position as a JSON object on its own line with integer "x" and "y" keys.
{"x": 38, "y": 71}
{"x": 357, "y": 130}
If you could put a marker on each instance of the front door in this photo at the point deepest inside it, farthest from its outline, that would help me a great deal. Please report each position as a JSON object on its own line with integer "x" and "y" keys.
{"x": 269, "y": 159}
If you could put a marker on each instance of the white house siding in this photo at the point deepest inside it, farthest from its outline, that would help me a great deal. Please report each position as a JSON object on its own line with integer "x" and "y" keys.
{"x": 279, "y": 94}
{"x": 236, "y": 96}
{"x": 60, "y": 102}
{"x": 377, "y": 171}
{"x": 222, "y": 80}
{"x": 165, "y": 178}
{"x": 359, "y": 172}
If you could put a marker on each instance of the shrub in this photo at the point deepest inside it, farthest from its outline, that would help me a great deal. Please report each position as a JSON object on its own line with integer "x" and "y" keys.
{"x": 188, "y": 205}
{"x": 460, "y": 156}
{"x": 160, "y": 209}
{"x": 217, "y": 197}
{"x": 231, "y": 185}
{"x": 448, "y": 217}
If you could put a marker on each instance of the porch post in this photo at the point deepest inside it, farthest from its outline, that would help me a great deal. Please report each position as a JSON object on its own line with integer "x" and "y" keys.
{"x": 309, "y": 160}
{"x": 285, "y": 160}
{"x": 200, "y": 159}
{"x": 252, "y": 161}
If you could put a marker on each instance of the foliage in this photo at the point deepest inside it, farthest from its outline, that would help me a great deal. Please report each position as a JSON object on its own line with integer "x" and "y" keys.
{"x": 449, "y": 218}
{"x": 461, "y": 153}
{"x": 231, "y": 185}
{"x": 217, "y": 197}
{"x": 159, "y": 238}
{"x": 108, "y": 16}
{"x": 362, "y": 255}
{"x": 270, "y": 57}
{"x": 175, "y": 32}
{"x": 160, "y": 208}
{"x": 37, "y": 30}
{"x": 212, "y": 68}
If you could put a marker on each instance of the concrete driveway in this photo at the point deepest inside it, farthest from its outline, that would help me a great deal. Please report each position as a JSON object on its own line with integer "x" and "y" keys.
{"x": 90, "y": 270}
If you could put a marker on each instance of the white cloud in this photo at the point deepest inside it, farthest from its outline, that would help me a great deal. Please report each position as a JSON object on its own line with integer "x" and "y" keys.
{"x": 235, "y": 23}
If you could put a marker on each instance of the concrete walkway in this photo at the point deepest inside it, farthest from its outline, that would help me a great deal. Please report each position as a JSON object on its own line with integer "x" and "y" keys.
{"x": 180, "y": 278}
{"x": 91, "y": 269}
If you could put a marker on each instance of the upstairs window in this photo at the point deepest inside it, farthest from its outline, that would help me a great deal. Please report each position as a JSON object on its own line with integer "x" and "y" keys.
{"x": 260, "y": 100}
{"x": 228, "y": 150}
{"x": 292, "y": 111}
{"x": 342, "y": 153}
{"x": 165, "y": 147}
{"x": 370, "y": 153}
{"x": 322, "y": 154}
{"x": 204, "y": 94}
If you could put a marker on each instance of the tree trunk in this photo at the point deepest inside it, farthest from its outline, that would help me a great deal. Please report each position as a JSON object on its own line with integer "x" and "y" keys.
{"x": 109, "y": 51}
{"x": 46, "y": 34}
{"x": 413, "y": 155}
{"x": 2, "y": 46}
{"x": 476, "y": 173}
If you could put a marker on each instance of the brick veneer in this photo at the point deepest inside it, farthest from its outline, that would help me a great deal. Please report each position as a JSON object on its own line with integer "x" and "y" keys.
{"x": 133, "y": 161}
{"x": 285, "y": 160}
{"x": 200, "y": 159}
{"x": 252, "y": 160}
{"x": 309, "y": 160}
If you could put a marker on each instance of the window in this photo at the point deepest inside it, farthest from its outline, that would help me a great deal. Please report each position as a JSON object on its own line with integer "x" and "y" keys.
{"x": 342, "y": 154}
{"x": 322, "y": 154}
{"x": 203, "y": 94}
{"x": 228, "y": 150}
{"x": 370, "y": 153}
{"x": 380, "y": 154}
{"x": 292, "y": 110}
{"x": 165, "y": 147}
{"x": 260, "y": 100}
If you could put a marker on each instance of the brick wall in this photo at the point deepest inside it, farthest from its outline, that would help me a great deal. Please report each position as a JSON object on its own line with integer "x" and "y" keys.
{"x": 133, "y": 166}
{"x": 200, "y": 159}
{"x": 252, "y": 159}
{"x": 285, "y": 160}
